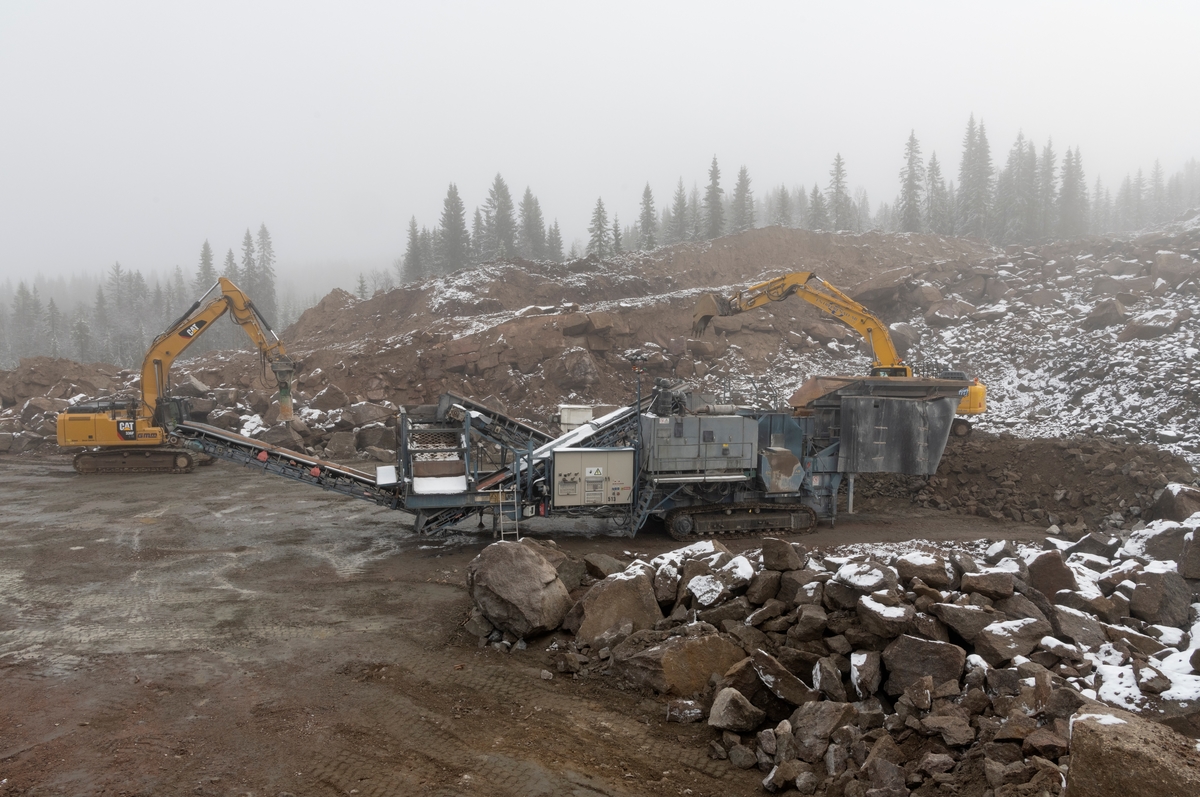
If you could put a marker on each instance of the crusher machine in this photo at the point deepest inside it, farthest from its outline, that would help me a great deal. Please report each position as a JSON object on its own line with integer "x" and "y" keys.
{"x": 703, "y": 468}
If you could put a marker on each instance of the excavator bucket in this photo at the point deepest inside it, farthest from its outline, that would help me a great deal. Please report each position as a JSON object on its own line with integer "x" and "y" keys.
{"x": 707, "y": 308}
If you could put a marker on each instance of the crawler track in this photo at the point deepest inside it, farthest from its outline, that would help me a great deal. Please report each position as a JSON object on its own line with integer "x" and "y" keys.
{"x": 740, "y": 520}
{"x": 137, "y": 460}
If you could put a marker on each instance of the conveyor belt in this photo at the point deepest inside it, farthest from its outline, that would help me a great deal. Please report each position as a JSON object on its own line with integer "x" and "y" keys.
{"x": 331, "y": 476}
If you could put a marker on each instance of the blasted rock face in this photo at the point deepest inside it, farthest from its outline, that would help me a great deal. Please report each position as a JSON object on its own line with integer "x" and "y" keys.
{"x": 517, "y": 589}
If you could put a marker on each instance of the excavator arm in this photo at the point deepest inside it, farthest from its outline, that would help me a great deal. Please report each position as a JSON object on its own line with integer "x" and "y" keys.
{"x": 156, "y": 367}
{"x": 815, "y": 291}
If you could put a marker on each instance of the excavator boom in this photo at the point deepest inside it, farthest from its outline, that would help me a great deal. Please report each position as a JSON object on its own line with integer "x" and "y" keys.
{"x": 816, "y": 291}
{"x": 132, "y": 434}
{"x": 156, "y": 366}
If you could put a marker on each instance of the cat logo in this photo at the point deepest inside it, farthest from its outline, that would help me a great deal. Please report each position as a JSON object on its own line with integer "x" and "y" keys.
{"x": 192, "y": 329}
{"x": 126, "y": 430}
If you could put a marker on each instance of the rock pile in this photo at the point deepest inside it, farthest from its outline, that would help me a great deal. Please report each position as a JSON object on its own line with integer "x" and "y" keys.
{"x": 929, "y": 671}
{"x": 1078, "y": 483}
{"x": 330, "y": 423}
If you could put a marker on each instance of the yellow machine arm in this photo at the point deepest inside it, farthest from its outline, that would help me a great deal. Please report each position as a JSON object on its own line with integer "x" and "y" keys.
{"x": 156, "y": 367}
{"x": 816, "y": 291}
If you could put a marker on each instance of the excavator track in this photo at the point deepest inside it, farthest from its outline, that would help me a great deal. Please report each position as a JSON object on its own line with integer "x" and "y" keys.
{"x": 137, "y": 460}
{"x": 740, "y": 520}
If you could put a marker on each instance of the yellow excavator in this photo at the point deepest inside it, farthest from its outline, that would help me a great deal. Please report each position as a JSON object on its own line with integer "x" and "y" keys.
{"x": 886, "y": 361}
{"x": 131, "y": 434}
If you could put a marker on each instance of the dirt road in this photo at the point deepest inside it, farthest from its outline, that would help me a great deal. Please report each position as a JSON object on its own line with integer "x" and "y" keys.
{"x": 231, "y": 633}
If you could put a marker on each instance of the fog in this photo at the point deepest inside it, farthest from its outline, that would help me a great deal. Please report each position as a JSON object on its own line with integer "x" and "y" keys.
{"x": 133, "y": 132}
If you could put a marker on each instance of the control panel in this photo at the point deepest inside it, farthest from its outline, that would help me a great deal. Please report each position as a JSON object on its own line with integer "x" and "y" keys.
{"x": 593, "y": 476}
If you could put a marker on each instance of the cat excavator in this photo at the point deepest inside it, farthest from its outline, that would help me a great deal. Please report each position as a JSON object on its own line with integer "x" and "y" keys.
{"x": 132, "y": 434}
{"x": 886, "y": 360}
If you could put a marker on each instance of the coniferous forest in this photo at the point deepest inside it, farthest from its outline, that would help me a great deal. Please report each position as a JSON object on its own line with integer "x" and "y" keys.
{"x": 1031, "y": 193}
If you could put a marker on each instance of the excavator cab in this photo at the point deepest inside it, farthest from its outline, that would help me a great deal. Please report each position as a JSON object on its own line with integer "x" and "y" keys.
{"x": 170, "y": 411}
{"x": 891, "y": 370}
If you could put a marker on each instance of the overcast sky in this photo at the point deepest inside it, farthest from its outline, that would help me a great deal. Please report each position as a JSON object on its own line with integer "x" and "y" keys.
{"x": 132, "y": 132}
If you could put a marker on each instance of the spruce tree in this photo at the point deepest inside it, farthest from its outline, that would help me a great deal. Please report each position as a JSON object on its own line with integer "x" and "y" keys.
{"x": 1072, "y": 204}
{"x": 81, "y": 337}
{"x": 230, "y": 269}
{"x": 1159, "y": 211}
{"x": 647, "y": 222}
{"x": 101, "y": 331}
{"x": 840, "y": 206}
{"x": 1047, "y": 191}
{"x": 912, "y": 186}
{"x": 599, "y": 244}
{"x": 781, "y": 213}
{"x": 499, "y": 210}
{"x": 415, "y": 269}
{"x": 205, "y": 274}
{"x": 360, "y": 290}
{"x": 679, "y": 216}
{"x": 862, "y": 211}
{"x": 714, "y": 209}
{"x": 531, "y": 231}
{"x": 264, "y": 272}
{"x": 26, "y": 322}
{"x": 454, "y": 242}
{"x": 54, "y": 330}
{"x": 937, "y": 208}
{"x": 818, "y": 215}
{"x": 428, "y": 244}
{"x": 975, "y": 182}
{"x": 695, "y": 215}
{"x": 617, "y": 248}
{"x": 800, "y": 209}
{"x": 179, "y": 292}
{"x": 554, "y": 243}
{"x": 742, "y": 217}
{"x": 249, "y": 267}
{"x": 478, "y": 236}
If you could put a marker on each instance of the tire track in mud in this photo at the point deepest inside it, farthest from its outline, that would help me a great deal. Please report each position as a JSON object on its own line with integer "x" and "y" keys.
{"x": 505, "y": 762}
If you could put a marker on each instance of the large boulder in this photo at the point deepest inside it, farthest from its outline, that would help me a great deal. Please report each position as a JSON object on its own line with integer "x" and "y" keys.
{"x": 282, "y": 434}
{"x": 813, "y": 724}
{"x": 1048, "y": 573}
{"x": 1189, "y": 559}
{"x": 1106, "y": 313}
{"x": 626, "y": 597}
{"x": 1177, "y": 502}
{"x": 731, "y": 711}
{"x": 994, "y": 584}
{"x": 340, "y": 447}
{"x": 780, "y": 555}
{"x": 883, "y": 620}
{"x": 908, "y": 659}
{"x": 331, "y": 398}
{"x": 676, "y": 662}
{"x": 570, "y": 570}
{"x": 934, "y": 570}
{"x": 966, "y": 621}
{"x": 1160, "y": 597}
{"x": 517, "y": 589}
{"x": 364, "y": 413}
{"x": 1116, "y": 754}
{"x": 1000, "y": 642}
{"x": 780, "y": 681}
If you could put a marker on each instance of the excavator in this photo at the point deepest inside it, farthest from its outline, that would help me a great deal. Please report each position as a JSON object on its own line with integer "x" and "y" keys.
{"x": 886, "y": 360}
{"x": 132, "y": 434}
